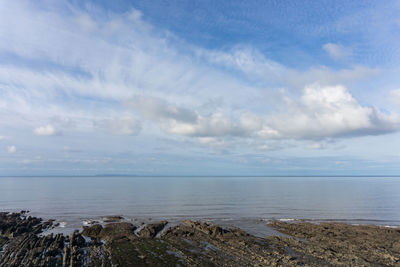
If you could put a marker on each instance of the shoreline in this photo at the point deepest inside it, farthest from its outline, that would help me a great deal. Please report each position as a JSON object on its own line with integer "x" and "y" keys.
{"x": 26, "y": 240}
{"x": 257, "y": 226}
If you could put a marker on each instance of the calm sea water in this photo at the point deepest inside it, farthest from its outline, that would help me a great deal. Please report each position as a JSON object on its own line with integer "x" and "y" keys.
{"x": 361, "y": 200}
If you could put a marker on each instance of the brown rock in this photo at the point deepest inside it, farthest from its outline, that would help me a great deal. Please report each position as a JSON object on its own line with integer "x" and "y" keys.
{"x": 92, "y": 231}
{"x": 114, "y": 231}
{"x": 151, "y": 230}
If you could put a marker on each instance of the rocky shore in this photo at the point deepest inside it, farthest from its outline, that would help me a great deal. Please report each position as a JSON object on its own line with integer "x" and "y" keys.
{"x": 191, "y": 243}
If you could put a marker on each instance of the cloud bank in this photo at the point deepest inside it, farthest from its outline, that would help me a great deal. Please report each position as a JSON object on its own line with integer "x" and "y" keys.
{"x": 321, "y": 112}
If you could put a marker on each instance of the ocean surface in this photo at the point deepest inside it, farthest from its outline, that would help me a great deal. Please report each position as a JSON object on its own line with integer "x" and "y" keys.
{"x": 247, "y": 202}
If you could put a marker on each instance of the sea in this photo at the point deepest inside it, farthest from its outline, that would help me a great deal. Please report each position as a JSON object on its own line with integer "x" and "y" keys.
{"x": 245, "y": 202}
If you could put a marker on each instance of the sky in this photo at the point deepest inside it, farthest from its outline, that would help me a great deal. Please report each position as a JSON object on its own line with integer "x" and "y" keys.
{"x": 199, "y": 87}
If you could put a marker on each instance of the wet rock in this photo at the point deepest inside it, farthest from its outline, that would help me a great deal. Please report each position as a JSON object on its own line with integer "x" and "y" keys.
{"x": 48, "y": 224}
{"x": 343, "y": 244}
{"x": 76, "y": 239}
{"x": 92, "y": 231}
{"x": 115, "y": 231}
{"x": 151, "y": 230}
{"x": 209, "y": 229}
{"x": 109, "y": 219}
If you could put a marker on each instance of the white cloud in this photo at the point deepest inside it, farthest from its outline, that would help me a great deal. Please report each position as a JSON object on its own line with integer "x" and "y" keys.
{"x": 47, "y": 130}
{"x": 184, "y": 121}
{"x": 11, "y": 149}
{"x": 157, "y": 109}
{"x": 216, "y": 124}
{"x": 119, "y": 126}
{"x": 2, "y": 138}
{"x": 337, "y": 51}
{"x": 330, "y": 111}
{"x": 321, "y": 112}
{"x": 214, "y": 142}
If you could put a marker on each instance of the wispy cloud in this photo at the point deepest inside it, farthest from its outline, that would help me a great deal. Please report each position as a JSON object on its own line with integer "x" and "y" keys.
{"x": 337, "y": 51}
{"x": 119, "y": 126}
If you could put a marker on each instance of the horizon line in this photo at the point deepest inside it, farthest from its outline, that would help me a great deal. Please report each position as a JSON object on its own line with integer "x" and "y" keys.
{"x": 135, "y": 175}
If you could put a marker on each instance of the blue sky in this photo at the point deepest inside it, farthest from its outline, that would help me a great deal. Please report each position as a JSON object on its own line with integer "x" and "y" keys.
{"x": 199, "y": 88}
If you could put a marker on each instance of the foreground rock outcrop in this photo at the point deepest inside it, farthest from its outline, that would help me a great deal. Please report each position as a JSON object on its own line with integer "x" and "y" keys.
{"x": 342, "y": 244}
{"x": 195, "y": 244}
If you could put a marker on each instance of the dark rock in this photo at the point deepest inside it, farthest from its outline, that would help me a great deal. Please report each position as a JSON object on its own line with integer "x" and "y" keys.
{"x": 113, "y": 219}
{"x": 114, "y": 231}
{"x": 151, "y": 230}
{"x": 92, "y": 231}
{"x": 76, "y": 239}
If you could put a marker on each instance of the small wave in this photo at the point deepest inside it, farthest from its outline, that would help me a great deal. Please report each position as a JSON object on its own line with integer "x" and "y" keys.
{"x": 62, "y": 224}
{"x": 286, "y": 220}
{"x": 391, "y": 226}
{"x": 86, "y": 222}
